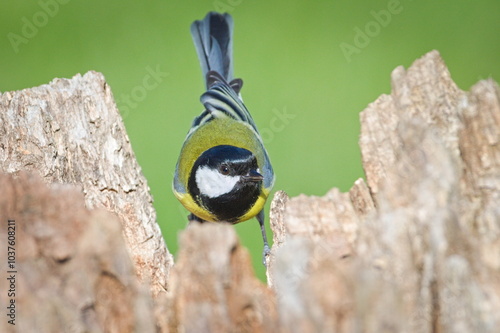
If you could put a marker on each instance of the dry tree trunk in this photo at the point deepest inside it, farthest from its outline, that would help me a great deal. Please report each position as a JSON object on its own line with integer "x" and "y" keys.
{"x": 414, "y": 249}
{"x": 70, "y": 131}
{"x": 69, "y": 269}
{"x": 418, "y": 250}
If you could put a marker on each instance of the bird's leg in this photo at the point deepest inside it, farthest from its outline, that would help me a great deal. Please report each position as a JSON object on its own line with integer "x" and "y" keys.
{"x": 267, "y": 250}
{"x": 194, "y": 218}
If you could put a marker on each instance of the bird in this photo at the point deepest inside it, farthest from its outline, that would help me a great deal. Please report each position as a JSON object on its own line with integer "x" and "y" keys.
{"x": 223, "y": 173}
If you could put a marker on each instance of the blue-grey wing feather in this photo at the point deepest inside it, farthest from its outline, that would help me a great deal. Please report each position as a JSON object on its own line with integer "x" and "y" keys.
{"x": 213, "y": 39}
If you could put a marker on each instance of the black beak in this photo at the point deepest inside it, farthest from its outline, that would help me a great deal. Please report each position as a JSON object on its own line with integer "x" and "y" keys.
{"x": 253, "y": 176}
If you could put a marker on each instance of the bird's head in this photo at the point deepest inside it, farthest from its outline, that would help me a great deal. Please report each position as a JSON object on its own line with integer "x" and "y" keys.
{"x": 226, "y": 181}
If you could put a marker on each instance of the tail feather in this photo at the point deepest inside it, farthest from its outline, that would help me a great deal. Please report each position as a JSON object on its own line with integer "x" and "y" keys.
{"x": 212, "y": 38}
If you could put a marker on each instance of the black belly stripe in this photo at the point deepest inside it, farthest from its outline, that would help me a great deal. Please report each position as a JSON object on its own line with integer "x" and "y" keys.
{"x": 233, "y": 205}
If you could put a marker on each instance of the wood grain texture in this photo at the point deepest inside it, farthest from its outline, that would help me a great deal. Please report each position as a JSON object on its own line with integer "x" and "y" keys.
{"x": 73, "y": 271}
{"x": 418, "y": 249}
{"x": 413, "y": 248}
{"x": 70, "y": 131}
{"x": 213, "y": 286}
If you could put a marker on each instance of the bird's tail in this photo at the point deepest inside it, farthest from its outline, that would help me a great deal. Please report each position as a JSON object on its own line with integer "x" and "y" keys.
{"x": 212, "y": 38}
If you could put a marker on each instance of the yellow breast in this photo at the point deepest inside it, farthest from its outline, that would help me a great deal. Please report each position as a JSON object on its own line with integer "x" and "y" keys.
{"x": 220, "y": 131}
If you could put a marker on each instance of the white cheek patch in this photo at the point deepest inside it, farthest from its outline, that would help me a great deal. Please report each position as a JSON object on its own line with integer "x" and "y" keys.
{"x": 212, "y": 183}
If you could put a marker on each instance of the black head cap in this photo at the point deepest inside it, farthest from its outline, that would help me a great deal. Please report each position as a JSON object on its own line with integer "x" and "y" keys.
{"x": 225, "y": 180}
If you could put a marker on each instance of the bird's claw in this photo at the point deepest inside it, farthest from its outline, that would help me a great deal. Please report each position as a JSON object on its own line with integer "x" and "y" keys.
{"x": 265, "y": 254}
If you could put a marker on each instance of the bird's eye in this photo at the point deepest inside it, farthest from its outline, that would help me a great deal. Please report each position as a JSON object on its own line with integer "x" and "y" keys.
{"x": 224, "y": 169}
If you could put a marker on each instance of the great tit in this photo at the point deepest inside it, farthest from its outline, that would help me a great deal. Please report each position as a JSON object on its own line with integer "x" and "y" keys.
{"x": 223, "y": 173}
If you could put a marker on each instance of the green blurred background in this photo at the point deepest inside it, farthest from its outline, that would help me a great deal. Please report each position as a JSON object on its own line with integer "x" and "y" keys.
{"x": 288, "y": 53}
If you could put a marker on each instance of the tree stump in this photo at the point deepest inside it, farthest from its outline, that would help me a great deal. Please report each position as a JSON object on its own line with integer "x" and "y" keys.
{"x": 72, "y": 271}
{"x": 417, "y": 248}
{"x": 71, "y": 132}
{"x": 414, "y": 248}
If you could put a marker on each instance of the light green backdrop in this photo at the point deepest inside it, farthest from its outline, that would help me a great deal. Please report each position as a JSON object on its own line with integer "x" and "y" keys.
{"x": 319, "y": 62}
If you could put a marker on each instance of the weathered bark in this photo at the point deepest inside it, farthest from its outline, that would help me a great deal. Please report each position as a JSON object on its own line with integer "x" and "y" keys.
{"x": 70, "y": 131}
{"x": 415, "y": 248}
{"x": 72, "y": 271}
{"x": 214, "y": 288}
{"x": 424, "y": 254}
